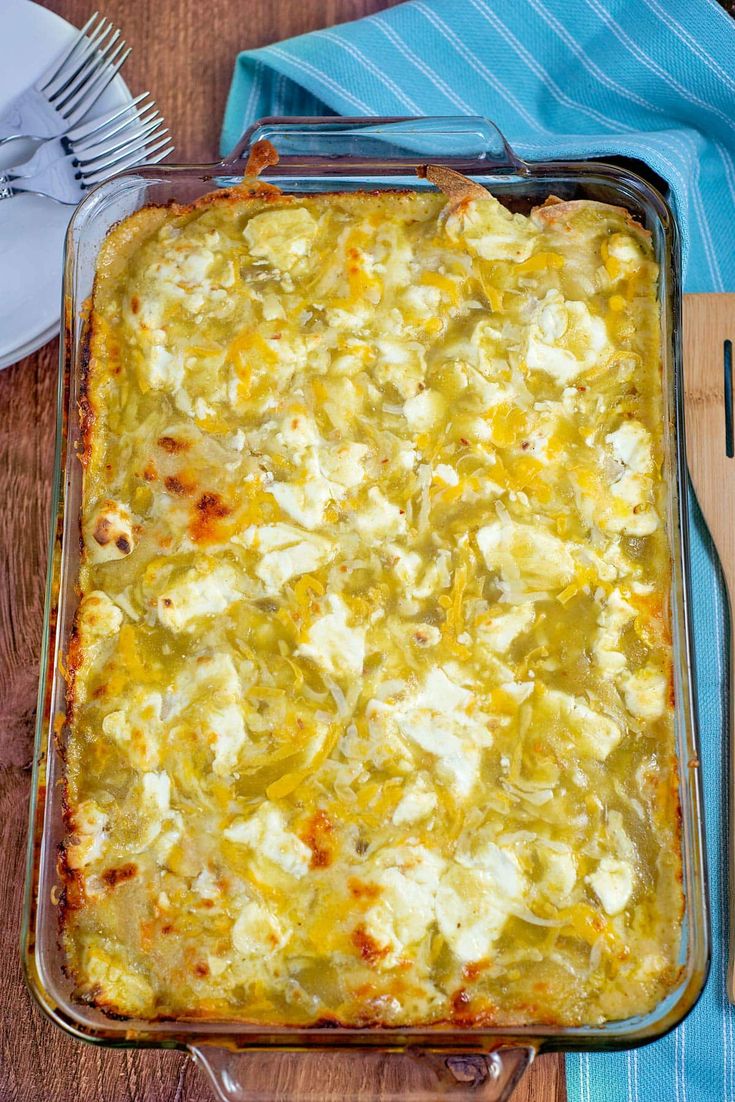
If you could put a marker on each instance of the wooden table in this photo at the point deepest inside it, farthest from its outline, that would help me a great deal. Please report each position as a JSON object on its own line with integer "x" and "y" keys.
{"x": 183, "y": 51}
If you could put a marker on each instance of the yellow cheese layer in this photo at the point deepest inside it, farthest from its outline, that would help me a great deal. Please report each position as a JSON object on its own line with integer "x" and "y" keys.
{"x": 371, "y": 699}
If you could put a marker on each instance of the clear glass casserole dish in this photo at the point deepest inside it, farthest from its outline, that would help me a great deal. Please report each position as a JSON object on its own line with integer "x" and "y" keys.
{"x": 247, "y": 1062}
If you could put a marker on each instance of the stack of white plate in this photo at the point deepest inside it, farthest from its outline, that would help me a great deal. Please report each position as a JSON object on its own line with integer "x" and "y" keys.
{"x": 31, "y": 228}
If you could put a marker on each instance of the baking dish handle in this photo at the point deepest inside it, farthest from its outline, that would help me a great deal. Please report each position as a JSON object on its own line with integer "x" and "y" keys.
{"x": 362, "y": 1075}
{"x": 391, "y": 146}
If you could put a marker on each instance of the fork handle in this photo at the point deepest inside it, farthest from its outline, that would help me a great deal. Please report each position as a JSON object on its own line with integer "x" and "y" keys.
{"x": 48, "y": 153}
{"x": 52, "y": 184}
{"x": 29, "y": 116}
{"x": 10, "y": 138}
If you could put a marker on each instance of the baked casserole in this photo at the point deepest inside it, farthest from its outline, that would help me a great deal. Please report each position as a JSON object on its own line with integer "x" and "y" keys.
{"x": 370, "y": 704}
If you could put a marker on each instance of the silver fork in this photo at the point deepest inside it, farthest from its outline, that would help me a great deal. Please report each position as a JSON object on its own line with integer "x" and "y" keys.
{"x": 135, "y": 115}
{"x": 66, "y": 178}
{"x": 70, "y": 86}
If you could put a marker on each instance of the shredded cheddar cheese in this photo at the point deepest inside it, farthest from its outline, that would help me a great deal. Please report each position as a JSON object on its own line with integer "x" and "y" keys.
{"x": 371, "y": 715}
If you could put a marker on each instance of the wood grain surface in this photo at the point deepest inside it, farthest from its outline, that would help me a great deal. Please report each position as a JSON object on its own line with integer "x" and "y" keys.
{"x": 709, "y": 322}
{"x": 183, "y": 52}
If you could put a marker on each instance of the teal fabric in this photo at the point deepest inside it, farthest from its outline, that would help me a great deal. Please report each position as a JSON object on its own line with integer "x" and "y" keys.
{"x": 648, "y": 79}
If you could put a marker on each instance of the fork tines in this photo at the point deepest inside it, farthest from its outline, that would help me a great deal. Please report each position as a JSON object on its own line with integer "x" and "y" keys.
{"x": 131, "y": 136}
{"x": 74, "y": 82}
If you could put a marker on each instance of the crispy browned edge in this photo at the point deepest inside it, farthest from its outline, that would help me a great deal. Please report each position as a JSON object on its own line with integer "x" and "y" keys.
{"x": 460, "y": 191}
{"x": 262, "y": 155}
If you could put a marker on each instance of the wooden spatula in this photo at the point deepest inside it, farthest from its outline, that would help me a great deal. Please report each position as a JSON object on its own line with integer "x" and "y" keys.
{"x": 709, "y": 368}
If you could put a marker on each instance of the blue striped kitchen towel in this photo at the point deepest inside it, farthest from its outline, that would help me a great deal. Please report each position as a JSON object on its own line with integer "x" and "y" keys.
{"x": 648, "y": 79}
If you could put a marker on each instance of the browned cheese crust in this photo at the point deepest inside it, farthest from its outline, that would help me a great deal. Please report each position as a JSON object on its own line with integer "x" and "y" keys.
{"x": 370, "y": 694}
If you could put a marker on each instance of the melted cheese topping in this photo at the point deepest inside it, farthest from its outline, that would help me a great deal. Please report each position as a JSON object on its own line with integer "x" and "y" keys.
{"x": 371, "y": 682}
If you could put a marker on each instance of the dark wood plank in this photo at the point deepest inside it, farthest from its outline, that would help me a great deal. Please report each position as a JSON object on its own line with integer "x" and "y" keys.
{"x": 183, "y": 51}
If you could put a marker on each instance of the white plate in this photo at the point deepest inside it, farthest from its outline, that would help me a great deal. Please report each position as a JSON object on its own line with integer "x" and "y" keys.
{"x": 32, "y": 229}
{"x": 30, "y": 347}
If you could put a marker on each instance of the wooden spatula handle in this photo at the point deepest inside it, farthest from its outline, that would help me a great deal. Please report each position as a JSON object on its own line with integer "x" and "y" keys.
{"x": 709, "y": 322}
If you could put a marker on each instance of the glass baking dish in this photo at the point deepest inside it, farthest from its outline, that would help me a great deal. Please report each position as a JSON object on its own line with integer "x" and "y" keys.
{"x": 252, "y": 1063}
